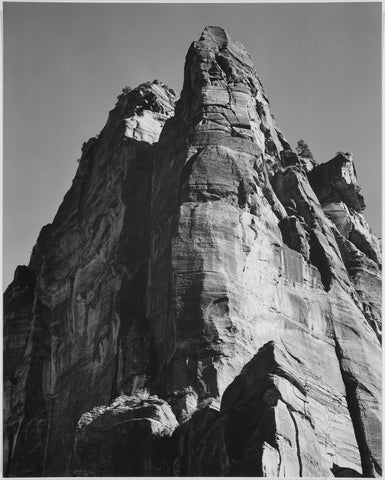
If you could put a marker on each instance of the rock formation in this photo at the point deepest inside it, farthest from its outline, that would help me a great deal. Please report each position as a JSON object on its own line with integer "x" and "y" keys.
{"x": 210, "y": 298}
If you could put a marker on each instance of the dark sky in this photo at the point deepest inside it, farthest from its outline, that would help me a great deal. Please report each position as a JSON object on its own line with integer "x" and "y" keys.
{"x": 65, "y": 64}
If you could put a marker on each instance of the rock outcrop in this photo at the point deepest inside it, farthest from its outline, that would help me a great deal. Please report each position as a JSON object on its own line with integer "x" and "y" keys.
{"x": 85, "y": 333}
{"x": 197, "y": 256}
{"x": 129, "y": 438}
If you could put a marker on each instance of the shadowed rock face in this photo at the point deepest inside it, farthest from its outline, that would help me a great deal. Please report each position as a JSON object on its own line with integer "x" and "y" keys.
{"x": 197, "y": 256}
{"x": 86, "y": 335}
{"x": 131, "y": 437}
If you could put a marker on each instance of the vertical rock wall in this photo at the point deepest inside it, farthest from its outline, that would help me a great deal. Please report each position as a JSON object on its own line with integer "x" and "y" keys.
{"x": 83, "y": 323}
{"x": 244, "y": 253}
{"x": 197, "y": 256}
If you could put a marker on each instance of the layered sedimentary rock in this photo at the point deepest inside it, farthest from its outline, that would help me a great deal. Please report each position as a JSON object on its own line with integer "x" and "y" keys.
{"x": 336, "y": 185}
{"x": 196, "y": 255}
{"x": 83, "y": 321}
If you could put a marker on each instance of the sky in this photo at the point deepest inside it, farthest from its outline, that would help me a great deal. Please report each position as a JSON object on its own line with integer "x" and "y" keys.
{"x": 65, "y": 64}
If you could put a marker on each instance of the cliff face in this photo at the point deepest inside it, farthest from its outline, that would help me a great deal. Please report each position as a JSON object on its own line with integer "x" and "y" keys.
{"x": 82, "y": 311}
{"x": 197, "y": 256}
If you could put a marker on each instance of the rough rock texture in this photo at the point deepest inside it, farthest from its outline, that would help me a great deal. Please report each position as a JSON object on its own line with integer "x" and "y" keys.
{"x": 83, "y": 325}
{"x": 129, "y": 438}
{"x": 199, "y": 257}
{"x": 338, "y": 191}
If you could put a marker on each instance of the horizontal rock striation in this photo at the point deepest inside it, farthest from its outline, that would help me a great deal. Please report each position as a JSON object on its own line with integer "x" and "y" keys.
{"x": 197, "y": 256}
{"x": 338, "y": 191}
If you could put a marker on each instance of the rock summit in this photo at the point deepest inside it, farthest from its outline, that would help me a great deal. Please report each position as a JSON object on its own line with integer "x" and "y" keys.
{"x": 206, "y": 302}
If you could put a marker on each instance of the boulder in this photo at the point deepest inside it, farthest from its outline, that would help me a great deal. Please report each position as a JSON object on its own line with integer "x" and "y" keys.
{"x": 130, "y": 437}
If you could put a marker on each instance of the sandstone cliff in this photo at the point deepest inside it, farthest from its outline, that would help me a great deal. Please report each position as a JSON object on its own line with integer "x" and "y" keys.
{"x": 198, "y": 257}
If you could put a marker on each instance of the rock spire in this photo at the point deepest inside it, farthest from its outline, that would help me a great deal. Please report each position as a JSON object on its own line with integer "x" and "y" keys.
{"x": 205, "y": 298}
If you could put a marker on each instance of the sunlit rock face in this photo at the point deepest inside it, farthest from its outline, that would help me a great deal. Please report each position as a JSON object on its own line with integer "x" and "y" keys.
{"x": 197, "y": 256}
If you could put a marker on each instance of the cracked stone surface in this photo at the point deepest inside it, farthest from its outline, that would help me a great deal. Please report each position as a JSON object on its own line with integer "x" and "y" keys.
{"x": 198, "y": 257}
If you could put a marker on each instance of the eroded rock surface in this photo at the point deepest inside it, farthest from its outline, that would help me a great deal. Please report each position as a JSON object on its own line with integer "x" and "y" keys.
{"x": 198, "y": 256}
{"x": 128, "y": 438}
{"x": 87, "y": 337}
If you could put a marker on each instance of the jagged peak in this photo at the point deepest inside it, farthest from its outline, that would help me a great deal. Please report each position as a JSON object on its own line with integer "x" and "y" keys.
{"x": 152, "y": 95}
{"x": 337, "y": 180}
{"x": 219, "y": 75}
{"x": 215, "y": 34}
{"x": 216, "y": 38}
{"x": 151, "y": 85}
